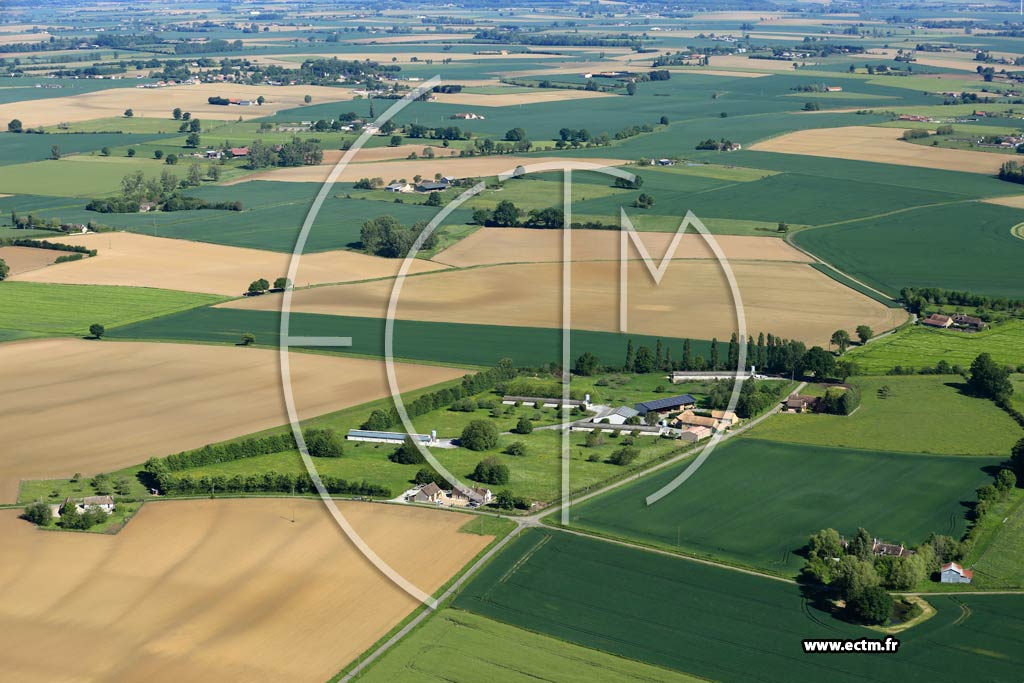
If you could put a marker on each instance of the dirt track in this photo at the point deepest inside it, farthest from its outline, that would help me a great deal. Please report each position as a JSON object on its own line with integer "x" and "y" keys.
{"x": 215, "y": 590}
{"x": 71, "y": 405}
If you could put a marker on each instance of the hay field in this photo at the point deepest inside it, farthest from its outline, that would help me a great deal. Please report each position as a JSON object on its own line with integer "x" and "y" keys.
{"x": 518, "y": 98}
{"x": 158, "y": 102}
{"x": 522, "y": 245}
{"x": 136, "y": 260}
{"x": 460, "y": 167}
{"x": 333, "y": 156}
{"x": 215, "y": 590}
{"x": 14, "y": 38}
{"x": 880, "y": 145}
{"x": 25, "y": 259}
{"x": 71, "y": 405}
{"x": 743, "y": 62}
{"x": 787, "y": 299}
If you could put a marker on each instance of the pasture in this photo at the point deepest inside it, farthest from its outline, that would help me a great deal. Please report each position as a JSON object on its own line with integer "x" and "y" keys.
{"x": 791, "y": 300}
{"x": 920, "y": 347}
{"x": 78, "y": 176}
{"x": 970, "y": 247}
{"x": 462, "y": 647}
{"x": 216, "y": 590}
{"x": 70, "y": 309}
{"x": 755, "y": 502}
{"x": 138, "y": 260}
{"x": 217, "y": 393}
{"x": 918, "y": 414}
{"x": 996, "y": 556}
{"x": 459, "y": 344}
{"x": 720, "y": 624}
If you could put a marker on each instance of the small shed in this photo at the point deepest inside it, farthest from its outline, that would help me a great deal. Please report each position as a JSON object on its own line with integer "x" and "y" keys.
{"x": 951, "y": 572}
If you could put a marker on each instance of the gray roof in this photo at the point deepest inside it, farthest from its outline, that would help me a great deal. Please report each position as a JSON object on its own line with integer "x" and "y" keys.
{"x": 395, "y": 436}
{"x": 623, "y": 411}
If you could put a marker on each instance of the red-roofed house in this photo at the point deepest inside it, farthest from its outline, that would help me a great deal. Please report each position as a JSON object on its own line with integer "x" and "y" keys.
{"x": 239, "y": 151}
{"x": 951, "y": 572}
{"x": 937, "y": 320}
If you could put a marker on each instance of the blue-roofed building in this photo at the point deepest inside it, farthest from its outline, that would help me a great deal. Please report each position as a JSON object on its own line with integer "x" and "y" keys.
{"x": 663, "y": 406}
{"x": 395, "y": 438}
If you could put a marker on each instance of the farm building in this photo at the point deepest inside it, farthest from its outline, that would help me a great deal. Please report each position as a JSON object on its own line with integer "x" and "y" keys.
{"x": 937, "y": 320}
{"x": 968, "y": 321}
{"x": 395, "y": 438}
{"x": 619, "y": 415}
{"x": 798, "y": 403}
{"x": 105, "y": 503}
{"x": 239, "y": 152}
{"x": 399, "y": 187}
{"x": 432, "y": 187}
{"x": 698, "y": 376}
{"x": 951, "y": 572}
{"x": 542, "y": 402}
{"x": 695, "y": 433}
{"x": 664, "y": 406}
{"x": 478, "y": 495}
{"x": 641, "y": 430}
{"x": 688, "y": 419}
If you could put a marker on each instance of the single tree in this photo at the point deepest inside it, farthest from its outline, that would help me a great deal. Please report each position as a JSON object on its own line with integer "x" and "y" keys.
{"x": 517, "y": 448}
{"x": 171, "y": 159}
{"x": 105, "y": 151}
{"x": 307, "y": 99}
{"x": 194, "y": 177}
{"x": 864, "y": 333}
{"x": 282, "y": 283}
{"x": 14, "y": 126}
{"x": 55, "y": 152}
{"x": 131, "y": 151}
{"x": 192, "y": 140}
{"x": 479, "y": 435}
{"x": 873, "y": 605}
{"x": 248, "y": 339}
{"x": 158, "y": 154}
{"x": 97, "y": 331}
{"x": 490, "y": 470}
{"x": 433, "y": 199}
{"x": 989, "y": 379}
{"x": 38, "y": 513}
{"x": 128, "y": 113}
{"x": 176, "y": 113}
{"x": 841, "y": 340}
{"x": 4, "y": 270}
{"x": 524, "y": 426}
{"x": 631, "y": 88}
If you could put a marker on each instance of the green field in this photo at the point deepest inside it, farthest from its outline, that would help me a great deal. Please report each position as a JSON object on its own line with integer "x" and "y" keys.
{"x": 70, "y": 309}
{"x": 456, "y": 343}
{"x": 755, "y": 502}
{"x": 969, "y": 246}
{"x": 15, "y": 149}
{"x": 996, "y": 556}
{"x": 78, "y": 176}
{"x": 462, "y": 647}
{"x": 920, "y": 347}
{"x": 725, "y": 625}
{"x": 922, "y": 414}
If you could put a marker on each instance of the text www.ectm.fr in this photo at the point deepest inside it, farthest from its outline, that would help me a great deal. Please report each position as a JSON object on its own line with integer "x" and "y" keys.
{"x": 888, "y": 644}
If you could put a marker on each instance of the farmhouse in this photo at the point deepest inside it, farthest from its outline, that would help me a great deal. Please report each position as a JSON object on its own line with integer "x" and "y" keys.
{"x": 937, "y": 320}
{"x": 688, "y": 419}
{"x": 397, "y": 438}
{"x": 833, "y": 88}
{"x": 664, "y": 406}
{"x": 798, "y": 403}
{"x": 542, "y": 402}
{"x": 430, "y": 493}
{"x": 968, "y": 321}
{"x": 105, "y": 503}
{"x": 951, "y": 572}
{"x": 476, "y": 496}
{"x": 239, "y": 152}
{"x": 468, "y": 116}
{"x": 399, "y": 187}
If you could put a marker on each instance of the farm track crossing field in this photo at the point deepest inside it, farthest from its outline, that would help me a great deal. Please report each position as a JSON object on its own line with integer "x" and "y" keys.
{"x": 880, "y": 145}
{"x": 71, "y": 309}
{"x": 921, "y": 347}
{"x": 462, "y": 647}
{"x": 756, "y": 502}
{"x": 920, "y": 414}
{"x": 970, "y": 248}
{"x": 791, "y": 300}
{"x": 211, "y": 590}
{"x": 165, "y": 397}
{"x": 721, "y": 624}
{"x": 454, "y": 343}
{"x": 140, "y": 260}
{"x": 522, "y": 245}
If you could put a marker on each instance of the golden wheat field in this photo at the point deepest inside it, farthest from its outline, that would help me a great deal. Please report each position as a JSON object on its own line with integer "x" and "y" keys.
{"x": 215, "y": 590}
{"x": 118, "y": 403}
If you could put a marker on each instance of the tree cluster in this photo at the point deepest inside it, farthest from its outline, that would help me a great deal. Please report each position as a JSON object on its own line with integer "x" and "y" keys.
{"x": 385, "y": 236}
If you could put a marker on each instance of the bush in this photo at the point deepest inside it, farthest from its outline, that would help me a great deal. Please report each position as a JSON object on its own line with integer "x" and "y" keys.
{"x": 624, "y": 456}
{"x": 479, "y": 435}
{"x": 323, "y": 443}
{"x": 524, "y": 426}
{"x": 38, "y": 513}
{"x": 516, "y": 448}
{"x": 490, "y": 471}
{"x": 407, "y": 453}
{"x": 464, "y": 405}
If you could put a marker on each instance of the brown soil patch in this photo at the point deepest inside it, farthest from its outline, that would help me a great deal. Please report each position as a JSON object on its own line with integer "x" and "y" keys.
{"x": 158, "y": 102}
{"x": 333, "y": 156}
{"x": 744, "y": 62}
{"x": 1014, "y": 201}
{"x": 880, "y": 145}
{"x": 460, "y": 167}
{"x": 134, "y": 260}
{"x": 518, "y": 98}
{"x": 522, "y": 245}
{"x": 71, "y": 405}
{"x": 215, "y": 590}
{"x": 791, "y": 300}
{"x": 24, "y": 259}
{"x": 12, "y": 38}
